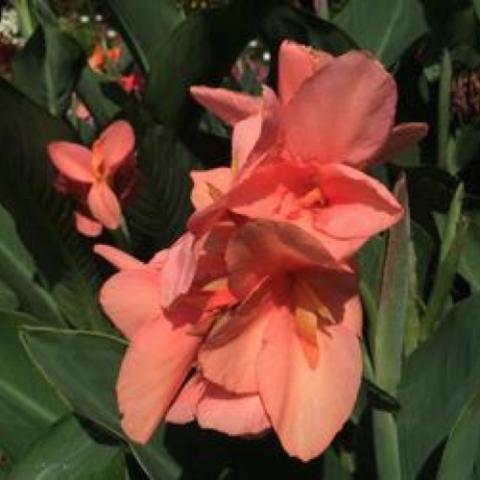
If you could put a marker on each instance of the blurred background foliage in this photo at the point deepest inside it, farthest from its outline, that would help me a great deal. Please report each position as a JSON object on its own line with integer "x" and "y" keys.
{"x": 420, "y": 284}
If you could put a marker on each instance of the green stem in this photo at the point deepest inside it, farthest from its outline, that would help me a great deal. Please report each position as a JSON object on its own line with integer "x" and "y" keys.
{"x": 122, "y": 236}
{"x": 23, "y": 9}
{"x": 444, "y": 110}
{"x": 386, "y": 446}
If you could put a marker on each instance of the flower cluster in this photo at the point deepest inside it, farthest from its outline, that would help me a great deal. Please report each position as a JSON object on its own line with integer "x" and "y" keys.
{"x": 251, "y": 320}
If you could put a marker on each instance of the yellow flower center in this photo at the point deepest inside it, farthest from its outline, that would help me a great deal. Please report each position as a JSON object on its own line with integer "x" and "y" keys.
{"x": 309, "y": 311}
{"x": 98, "y": 164}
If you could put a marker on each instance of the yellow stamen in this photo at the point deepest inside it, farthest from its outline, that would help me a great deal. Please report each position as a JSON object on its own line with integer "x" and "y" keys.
{"x": 312, "y": 198}
{"x": 235, "y": 164}
{"x": 97, "y": 162}
{"x": 308, "y": 312}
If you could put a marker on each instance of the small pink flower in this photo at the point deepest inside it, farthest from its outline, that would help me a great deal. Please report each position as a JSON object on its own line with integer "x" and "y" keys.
{"x": 133, "y": 82}
{"x": 92, "y": 175}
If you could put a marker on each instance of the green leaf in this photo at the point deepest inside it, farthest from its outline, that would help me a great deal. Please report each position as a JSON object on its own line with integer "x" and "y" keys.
{"x": 452, "y": 243}
{"x": 16, "y": 272}
{"x": 469, "y": 265}
{"x": 67, "y": 452}
{"x": 145, "y": 25}
{"x": 444, "y": 117}
{"x": 43, "y": 218}
{"x": 438, "y": 379}
{"x": 389, "y": 335}
{"x": 387, "y": 27}
{"x": 28, "y": 404}
{"x": 200, "y": 51}
{"x": 393, "y": 303}
{"x": 460, "y": 452}
{"x": 162, "y": 204}
{"x": 48, "y": 67}
{"x": 8, "y": 299}
{"x": 89, "y": 89}
{"x": 286, "y": 22}
{"x": 84, "y": 366}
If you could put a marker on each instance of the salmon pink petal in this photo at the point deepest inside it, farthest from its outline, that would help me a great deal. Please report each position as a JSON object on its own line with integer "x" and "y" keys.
{"x": 281, "y": 247}
{"x": 201, "y": 221}
{"x": 179, "y": 269}
{"x": 359, "y": 206}
{"x": 296, "y": 64}
{"x": 353, "y": 315}
{"x": 244, "y": 138}
{"x": 209, "y": 186}
{"x": 104, "y": 205}
{"x": 118, "y": 258}
{"x": 338, "y": 292}
{"x": 252, "y": 141}
{"x": 87, "y": 226}
{"x": 229, "y": 355}
{"x": 184, "y": 407}
{"x": 308, "y": 406}
{"x": 131, "y": 299}
{"x": 154, "y": 368}
{"x": 343, "y": 113}
{"x": 72, "y": 160}
{"x": 231, "y": 107}
{"x": 116, "y": 144}
{"x": 402, "y": 138}
{"x": 232, "y": 414}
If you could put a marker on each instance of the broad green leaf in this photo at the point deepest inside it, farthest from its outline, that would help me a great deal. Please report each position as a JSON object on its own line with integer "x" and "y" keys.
{"x": 285, "y": 22}
{"x": 145, "y": 25}
{"x": 389, "y": 335}
{"x": 460, "y": 452}
{"x": 8, "y": 299}
{"x": 438, "y": 379}
{"x": 44, "y": 219}
{"x": 89, "y": 89}
{"x": 469, "y": 265}
{"x": 84, "y": 367}
{"x": 388, "y": 348}
{"x": 28, "y": 404}
{"x": 17, "y": 271}
{"x": 67, "y": 452}
{"x": 386, "y": 27}
{"x": 48, "y": 67}
{"x": 200, "y": 51}
{"x": 158, "y": 214}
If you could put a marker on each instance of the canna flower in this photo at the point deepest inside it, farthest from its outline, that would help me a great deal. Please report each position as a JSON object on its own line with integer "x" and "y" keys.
{"x": 288, "y": 355}
{"x": 92, "y": 176}
{"x": 319, "y": 114}
{"x": 299, "y": 157}
{"x": 164, "y": 336}
{"x": 275, "y": 346}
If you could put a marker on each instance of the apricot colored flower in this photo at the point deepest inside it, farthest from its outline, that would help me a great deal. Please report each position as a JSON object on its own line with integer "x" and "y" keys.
{"x": 324, "y": 103}
{"x": 288, "y": 355}
{"x": 91, "y": 175}
{"x": 298, "y": 157}
{"x": 149, "y": 305}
